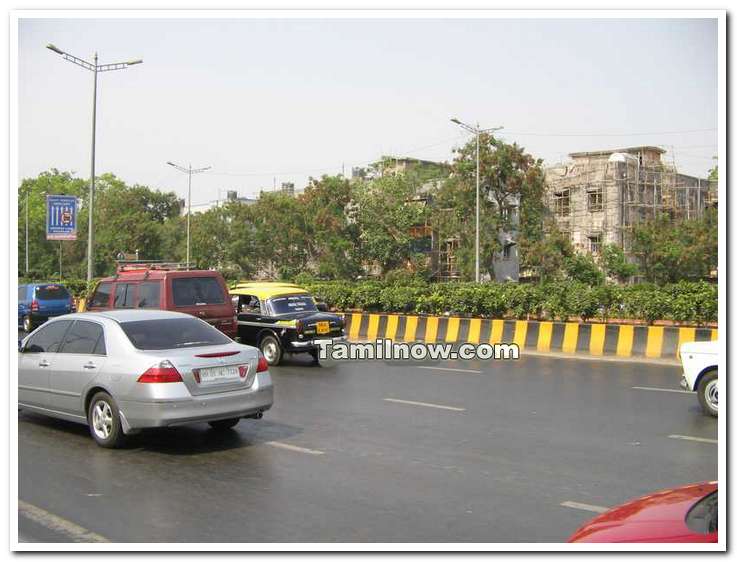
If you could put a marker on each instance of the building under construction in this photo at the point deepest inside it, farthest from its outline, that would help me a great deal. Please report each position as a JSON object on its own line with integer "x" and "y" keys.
{"x": 597, "y": 197}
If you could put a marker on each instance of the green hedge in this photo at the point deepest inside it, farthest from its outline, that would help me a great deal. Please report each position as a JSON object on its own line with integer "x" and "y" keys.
{"x": 688, "y": 302}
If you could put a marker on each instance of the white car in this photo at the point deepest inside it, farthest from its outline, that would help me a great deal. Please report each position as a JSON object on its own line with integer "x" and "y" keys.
{"x": 699, "y": 361}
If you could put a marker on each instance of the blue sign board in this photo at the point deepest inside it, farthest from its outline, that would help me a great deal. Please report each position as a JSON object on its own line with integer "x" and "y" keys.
{"x": 61, "y": 217}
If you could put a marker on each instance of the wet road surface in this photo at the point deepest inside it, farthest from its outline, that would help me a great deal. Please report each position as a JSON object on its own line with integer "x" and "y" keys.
{"x": 372, "y": 451}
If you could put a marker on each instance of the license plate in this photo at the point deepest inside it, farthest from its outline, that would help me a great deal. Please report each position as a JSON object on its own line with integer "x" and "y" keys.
{"x": 214, "y": 375}
{"x": 323, "y": 327}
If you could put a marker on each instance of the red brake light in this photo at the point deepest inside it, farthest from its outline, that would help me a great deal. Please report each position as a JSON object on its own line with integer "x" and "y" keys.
{"x": 263, "y": 365}
{"x": 34, "y": 304}
{"x": 299, "y": 325}
{"x": 163, "y": 372}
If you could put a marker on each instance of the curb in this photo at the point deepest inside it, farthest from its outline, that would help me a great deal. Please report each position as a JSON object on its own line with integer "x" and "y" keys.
{"x": 559, "y": 338}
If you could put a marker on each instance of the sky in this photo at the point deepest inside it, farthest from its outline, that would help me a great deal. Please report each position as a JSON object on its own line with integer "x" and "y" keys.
{"x": 266, "y": 101}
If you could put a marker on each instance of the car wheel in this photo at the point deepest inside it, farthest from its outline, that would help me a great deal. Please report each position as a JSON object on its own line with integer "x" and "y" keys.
{"x": 104, "y": 421}
{"x": 709, "y": 393}
{"x": 315, "y": 356}
{"x": 27, "y": 324}
{"x": 222, "y": 425}
{"x": 271, "y": 349}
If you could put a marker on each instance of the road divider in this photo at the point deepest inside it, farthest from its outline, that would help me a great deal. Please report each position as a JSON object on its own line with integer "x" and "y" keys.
{"x": 575, "y": 338}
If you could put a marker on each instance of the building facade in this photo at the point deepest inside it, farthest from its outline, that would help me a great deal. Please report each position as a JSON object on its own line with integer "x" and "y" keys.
{"x": 597, "y": 197}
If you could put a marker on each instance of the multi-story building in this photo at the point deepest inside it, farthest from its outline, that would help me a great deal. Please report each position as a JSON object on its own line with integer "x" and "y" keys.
{"x": 597, "y": 197}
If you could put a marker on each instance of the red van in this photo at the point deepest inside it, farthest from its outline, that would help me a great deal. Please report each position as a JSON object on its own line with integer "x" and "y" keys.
{"x": 200, "y": 293}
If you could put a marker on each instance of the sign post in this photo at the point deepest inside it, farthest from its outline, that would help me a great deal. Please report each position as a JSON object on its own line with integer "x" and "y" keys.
{"x": 61, "y": 217}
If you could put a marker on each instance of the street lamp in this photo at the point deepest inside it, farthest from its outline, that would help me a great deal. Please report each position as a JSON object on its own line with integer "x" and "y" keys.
{"x": 476, "y": 131}
{"x": 189, "y": 171}
{"x": 94, "y": 68}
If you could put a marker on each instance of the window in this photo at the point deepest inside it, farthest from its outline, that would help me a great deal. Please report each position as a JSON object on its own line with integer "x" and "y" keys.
{"x": 295, "y": 303}
{"x": 172, "y": 333}
{"x": 249, "y": 304}
{"x": 562, "y": 203}
{"x": 507, "y": 251}
{"x": 48, "y": 338}
{"x": 595, "y": 199}
{"x": 124, "y": 295}
{"x": 190, "y": 291}
{"x": 82, "y": 338}
{"x": 102, "y": 295}
{"x": 21, "y": 293}
{"x": 148, "y": 295}
{"x": 51, "y": 292}
{"x": 595, "y": 243}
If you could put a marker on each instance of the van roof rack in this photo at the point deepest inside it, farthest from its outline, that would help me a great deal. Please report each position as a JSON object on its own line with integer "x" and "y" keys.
{"x": 147, "y": 265}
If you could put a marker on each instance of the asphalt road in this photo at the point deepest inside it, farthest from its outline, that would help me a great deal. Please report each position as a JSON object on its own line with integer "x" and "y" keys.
{"x": 380, "y": 452}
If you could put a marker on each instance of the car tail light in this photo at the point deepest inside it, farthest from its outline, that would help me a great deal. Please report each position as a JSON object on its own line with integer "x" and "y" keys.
{"x": 34, "y": 305}
{"x": 299, "y": 325}
{"x": 263, "y": 365}
{"x": 163, "y": 372}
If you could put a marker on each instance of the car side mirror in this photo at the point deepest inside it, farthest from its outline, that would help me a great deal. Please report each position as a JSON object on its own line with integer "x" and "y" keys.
{"x": 321, "y": 306}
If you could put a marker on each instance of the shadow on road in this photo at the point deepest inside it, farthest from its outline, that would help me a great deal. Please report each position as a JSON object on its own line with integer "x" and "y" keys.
{"x": 196, "y": 439}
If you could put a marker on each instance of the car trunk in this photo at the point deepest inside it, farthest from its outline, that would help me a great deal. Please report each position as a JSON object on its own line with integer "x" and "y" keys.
{"x": 196, "y": 362}
{"x": 52, "y": 301}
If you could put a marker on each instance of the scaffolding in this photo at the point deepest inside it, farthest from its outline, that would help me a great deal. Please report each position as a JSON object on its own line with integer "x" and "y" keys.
{"x": 601, "y": 196}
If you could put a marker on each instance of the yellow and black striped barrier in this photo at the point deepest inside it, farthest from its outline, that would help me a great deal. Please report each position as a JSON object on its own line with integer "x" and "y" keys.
{"x": 618, "y": 340}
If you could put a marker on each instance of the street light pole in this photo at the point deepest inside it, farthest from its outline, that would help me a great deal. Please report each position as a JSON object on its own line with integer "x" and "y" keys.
{"x": 90, "y": 221}
{"x": 26, "y": 233}
{"x": 94, "y": 68}
{"x": 189, "y": 171}
{"x": 477, "y": 132}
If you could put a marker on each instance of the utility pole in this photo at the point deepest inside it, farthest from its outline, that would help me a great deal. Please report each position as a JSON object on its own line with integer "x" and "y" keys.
{"x": 95, "y": 69}
{"x": 477, "y": 131}
{"x": 26, "y": 233}
{"x": 189, "y": 171}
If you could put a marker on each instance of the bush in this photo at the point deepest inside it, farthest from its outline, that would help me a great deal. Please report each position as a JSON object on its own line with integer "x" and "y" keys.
{"x": 692, "y": 302}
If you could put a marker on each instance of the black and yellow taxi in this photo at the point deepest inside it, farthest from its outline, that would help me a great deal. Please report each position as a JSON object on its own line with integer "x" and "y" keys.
{"x": 283, "y": 318}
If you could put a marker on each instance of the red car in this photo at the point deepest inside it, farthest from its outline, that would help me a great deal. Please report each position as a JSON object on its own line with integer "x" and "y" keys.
{"x": 686, "y": 514}
{"x": 163, "y": 286}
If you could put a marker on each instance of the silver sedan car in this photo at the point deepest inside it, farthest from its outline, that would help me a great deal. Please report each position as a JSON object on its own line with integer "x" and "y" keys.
{"x": 125, "y": 370}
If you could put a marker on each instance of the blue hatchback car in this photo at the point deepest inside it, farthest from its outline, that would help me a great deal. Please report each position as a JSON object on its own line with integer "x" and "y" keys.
{"x": 37, "y": 302}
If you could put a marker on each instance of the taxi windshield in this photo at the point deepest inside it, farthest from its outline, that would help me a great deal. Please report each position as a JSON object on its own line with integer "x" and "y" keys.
{"x": 292, "y": 303}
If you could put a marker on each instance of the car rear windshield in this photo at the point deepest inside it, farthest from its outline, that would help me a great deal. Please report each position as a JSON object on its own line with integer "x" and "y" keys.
{"x": 51, "y": 292}
{"x": 293, "y": 303}
{"x": 172, "y": 333}
{"x": 191, "y": 291}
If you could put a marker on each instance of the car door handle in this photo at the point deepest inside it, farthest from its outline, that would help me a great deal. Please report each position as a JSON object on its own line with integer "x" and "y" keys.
{"x": 90, "y": 365}
{"x": 43, "y": 363}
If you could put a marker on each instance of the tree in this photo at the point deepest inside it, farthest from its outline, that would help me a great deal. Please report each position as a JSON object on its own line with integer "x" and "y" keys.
{"x": 669, "y": 251}
{"x": 582, "y": 267}
{"x": 511, "y": 186}
{"x": 547, "y": 254}
{"x": 386, "y": 210}
{"x": 616, "y": 264}
{"x": 332, "y": 238}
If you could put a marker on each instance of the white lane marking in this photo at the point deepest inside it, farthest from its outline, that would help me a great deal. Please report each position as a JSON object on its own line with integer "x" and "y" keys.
{"x": 294, "y": 448}
{"x": 689, "y": 438}
{"x": 469, "y": 371}
{"x": 413, "y": 403}
{"x": 662, "y": 389}
{"x": 58, "y": 524}
{"x": 585, "y": 507}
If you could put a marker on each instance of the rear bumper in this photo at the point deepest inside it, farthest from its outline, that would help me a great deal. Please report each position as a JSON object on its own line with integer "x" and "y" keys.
{"x": 309, "y": 345}
{"x": 204, "y": 408}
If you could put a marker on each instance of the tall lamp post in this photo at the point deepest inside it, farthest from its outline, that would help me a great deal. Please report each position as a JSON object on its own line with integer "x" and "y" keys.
{"x": 477, "y": 132}
{"x": 94, "y": 68}
{"x": 189, "y": 171}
